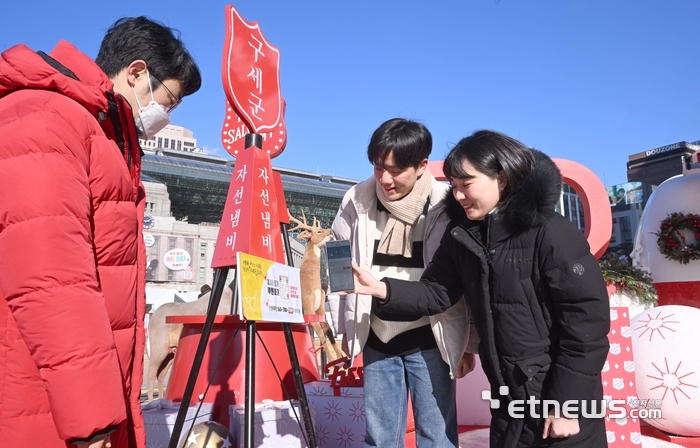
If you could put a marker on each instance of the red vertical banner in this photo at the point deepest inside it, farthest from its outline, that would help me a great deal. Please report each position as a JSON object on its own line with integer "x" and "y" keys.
{"x": 619, "y": 382}
{"x": 250, "y": 222}
{"x": 282, "y": 212}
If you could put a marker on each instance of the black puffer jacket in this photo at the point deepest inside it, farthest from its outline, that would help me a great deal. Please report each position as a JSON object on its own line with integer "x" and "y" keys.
{"x": 539, "y": 304}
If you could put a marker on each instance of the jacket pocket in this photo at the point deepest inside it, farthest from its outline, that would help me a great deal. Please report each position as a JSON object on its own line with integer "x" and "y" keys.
{"x": 527, "y": 379}
{"x": 534, "y": 372}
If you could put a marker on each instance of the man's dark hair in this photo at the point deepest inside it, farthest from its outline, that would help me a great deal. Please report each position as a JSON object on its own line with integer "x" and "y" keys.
{"x": 409, "y": 141}
{"x": 490, "y": 152}
{"x": 133, "y": 38}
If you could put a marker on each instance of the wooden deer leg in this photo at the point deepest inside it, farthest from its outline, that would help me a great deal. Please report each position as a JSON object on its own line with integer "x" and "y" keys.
{"x": 152, "y": 373}
{"x": 327, "y": 332}
{"x": 325, "y": 343}
{"x": 161, "y": 375}
{"x": 324, "y": 328}
{"x": 329, "y": 335}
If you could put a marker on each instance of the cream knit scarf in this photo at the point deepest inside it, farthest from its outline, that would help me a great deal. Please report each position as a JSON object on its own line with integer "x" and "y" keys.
{"x": 397, "y": 238}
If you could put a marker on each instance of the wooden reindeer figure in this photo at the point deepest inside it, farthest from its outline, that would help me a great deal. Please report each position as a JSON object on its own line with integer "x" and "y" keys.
{"x": 313, "y": 297}
{"x": 163, "y": 337}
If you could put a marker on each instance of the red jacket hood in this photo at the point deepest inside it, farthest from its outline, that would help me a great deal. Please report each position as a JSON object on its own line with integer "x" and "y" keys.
{"x": 21, "y": 67}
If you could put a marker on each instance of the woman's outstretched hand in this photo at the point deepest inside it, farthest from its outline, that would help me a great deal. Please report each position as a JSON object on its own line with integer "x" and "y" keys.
{"x": 365, "y": 283}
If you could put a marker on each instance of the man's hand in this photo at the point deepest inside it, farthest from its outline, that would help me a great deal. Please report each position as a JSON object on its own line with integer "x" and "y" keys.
{"x": 466, "y": 364}
{"x": 559, "y": 427}
{"x": 104, "y": 442}
{"x": 365, "y": 283}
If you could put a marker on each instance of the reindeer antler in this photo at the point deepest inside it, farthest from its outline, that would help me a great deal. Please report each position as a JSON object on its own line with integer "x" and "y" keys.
{"x": 299, "y": 224}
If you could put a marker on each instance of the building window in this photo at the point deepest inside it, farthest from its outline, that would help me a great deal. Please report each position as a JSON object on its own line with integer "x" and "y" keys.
{"x": 202, "y": 251}
{"x": 625, "y": 229}
{"x": 201, "y": 274}
{"x": 153, "y": 260}
{"x": 188, "y": 246}
{"x": 573, "y": 209}
{"x": 582, "y": 218}
{"x": 179, "y": 144}
{"x": 172, "y": 243}
{"x": 160, "y": 142}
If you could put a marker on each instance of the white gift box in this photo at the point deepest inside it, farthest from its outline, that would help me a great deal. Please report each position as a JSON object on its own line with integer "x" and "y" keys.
{"x": 276, "y": 424}
{"x": 340, "y": 414}
{"x": 160, "y": 421}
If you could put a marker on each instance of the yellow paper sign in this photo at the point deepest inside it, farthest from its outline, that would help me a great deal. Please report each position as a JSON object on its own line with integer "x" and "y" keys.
{"x": 268, "y": 291}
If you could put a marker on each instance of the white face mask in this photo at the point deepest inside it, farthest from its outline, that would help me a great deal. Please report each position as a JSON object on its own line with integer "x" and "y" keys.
{"x": 153, "y": 117}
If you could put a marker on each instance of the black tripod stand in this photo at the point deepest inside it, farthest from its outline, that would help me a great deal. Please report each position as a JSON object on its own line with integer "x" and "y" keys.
{"x": 220, "y": 274}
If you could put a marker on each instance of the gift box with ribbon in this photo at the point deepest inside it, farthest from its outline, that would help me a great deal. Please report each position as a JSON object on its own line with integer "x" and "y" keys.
{"x": 159, "y": 418}
{"x": 340, "y": 414}
{"x": 277, "y": 424}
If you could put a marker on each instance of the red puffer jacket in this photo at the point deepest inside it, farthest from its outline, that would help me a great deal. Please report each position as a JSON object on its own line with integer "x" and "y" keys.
{"x": 72, "y": 260}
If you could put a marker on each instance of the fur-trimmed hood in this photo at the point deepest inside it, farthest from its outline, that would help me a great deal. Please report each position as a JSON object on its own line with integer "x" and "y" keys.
{"x": 532, "y": 202}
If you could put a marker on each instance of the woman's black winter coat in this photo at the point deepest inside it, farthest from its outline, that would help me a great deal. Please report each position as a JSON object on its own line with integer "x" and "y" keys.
{"x": 538, "y": 301}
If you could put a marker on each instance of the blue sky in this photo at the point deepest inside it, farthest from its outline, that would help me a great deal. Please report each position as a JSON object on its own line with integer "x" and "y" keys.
{"x": 593, "y": 81}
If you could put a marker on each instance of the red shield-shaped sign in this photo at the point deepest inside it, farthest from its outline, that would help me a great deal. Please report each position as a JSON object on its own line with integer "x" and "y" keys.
{"x": 251, "y": 73}
{"x": 234, "y": 130}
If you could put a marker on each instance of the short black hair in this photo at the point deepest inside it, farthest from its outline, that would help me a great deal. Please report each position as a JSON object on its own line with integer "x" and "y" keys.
{"x": 133, "y": 38}
{"x": 490, "y": 152}
{"x": 409, "y": 141}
